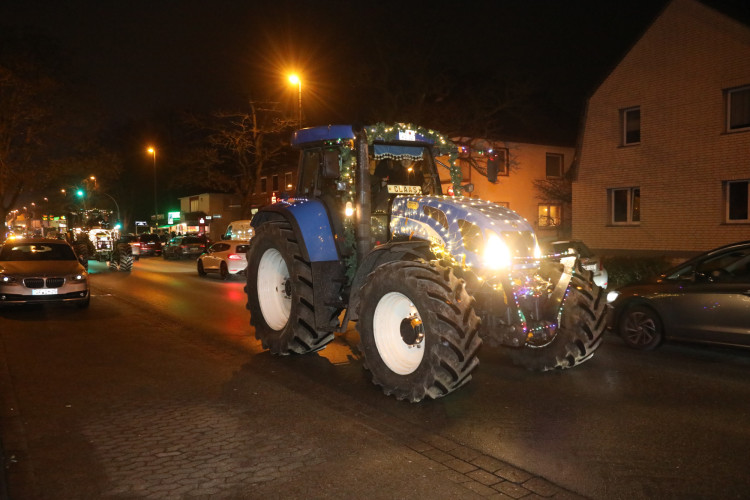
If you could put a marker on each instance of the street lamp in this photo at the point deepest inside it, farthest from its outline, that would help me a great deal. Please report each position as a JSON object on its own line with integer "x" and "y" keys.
{"x": 152, "y": 151}
{"x": 295, "y": 80}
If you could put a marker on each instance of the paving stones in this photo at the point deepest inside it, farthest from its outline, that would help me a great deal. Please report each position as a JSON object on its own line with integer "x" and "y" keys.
{"x": 176, "y": 448}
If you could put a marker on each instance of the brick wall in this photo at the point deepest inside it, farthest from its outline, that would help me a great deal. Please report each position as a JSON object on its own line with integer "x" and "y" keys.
{"x": 676, "y": 73}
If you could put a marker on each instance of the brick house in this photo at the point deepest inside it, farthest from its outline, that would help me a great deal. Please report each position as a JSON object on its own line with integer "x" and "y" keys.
{"x": 519, "y": 165}
{"x": 664, "y": 156}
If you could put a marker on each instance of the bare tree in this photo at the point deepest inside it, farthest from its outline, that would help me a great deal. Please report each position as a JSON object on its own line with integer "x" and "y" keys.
{"x": 26, "y": 91}
{"x": 244, "y": 144}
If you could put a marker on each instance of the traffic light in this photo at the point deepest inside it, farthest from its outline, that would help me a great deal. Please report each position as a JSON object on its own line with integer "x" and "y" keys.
{"x": 79, "y": 193}
{"x": 493, "y": 163}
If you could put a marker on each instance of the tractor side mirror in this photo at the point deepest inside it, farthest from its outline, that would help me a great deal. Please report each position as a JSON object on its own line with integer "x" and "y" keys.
{"x": 331, "y": 164}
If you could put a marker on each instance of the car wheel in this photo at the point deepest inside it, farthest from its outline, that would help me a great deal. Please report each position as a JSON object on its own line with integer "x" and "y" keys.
{"x": 223, "y": 271}
{"x": 641, "y": 328}
{"x": 201, "y": 271}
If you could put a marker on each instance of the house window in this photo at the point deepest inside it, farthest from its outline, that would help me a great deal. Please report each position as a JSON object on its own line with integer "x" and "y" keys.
{"x": 550, "y": 215}
{"x": 625, "y": 205}
{"x": 554, "y": 166}
{"x": 738, "y": 201}
{"x": 738, "y": 109}
{"x": 631, "y": 126}
{"x": 274, "y": 183}
{"x": 288, "y": 181}
{"x": 263, "y": 185}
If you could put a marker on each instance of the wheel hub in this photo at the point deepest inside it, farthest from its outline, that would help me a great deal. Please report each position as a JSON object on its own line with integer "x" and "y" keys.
{"x": 412, "y": 331}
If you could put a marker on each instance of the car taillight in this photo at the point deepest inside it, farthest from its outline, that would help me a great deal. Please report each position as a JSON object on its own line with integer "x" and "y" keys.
{"x": 234, "y": 256}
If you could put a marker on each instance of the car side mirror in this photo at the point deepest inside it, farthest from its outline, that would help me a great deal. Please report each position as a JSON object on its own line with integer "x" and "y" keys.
{"x": 331, "y": 164}
{"x": 469, "y": 188}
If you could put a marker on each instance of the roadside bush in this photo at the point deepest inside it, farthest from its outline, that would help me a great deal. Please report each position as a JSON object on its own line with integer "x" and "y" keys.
{"x": 624, "y": 270}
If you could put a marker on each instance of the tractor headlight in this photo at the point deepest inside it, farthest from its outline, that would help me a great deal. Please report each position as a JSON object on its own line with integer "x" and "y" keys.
{"x": 612, "y": 296}
{"x": 496, "y": 253}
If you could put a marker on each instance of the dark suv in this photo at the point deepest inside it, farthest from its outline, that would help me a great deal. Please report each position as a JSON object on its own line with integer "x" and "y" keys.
{"x": 184, "y": 247}
{"x": 150, "y": 244}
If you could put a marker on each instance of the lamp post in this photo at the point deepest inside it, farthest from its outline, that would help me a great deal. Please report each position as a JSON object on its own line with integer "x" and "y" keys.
{"x": 152, "y": 150}
{"x": 295, "y": 79}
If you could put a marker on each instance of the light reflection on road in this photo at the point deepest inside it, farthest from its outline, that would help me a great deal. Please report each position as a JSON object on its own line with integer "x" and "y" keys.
{"x": 175, "y": 291}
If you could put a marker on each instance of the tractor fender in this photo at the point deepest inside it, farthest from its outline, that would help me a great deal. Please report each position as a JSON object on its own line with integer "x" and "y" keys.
{"x": 310, "y": 223}
{"x": 390, "y": 252}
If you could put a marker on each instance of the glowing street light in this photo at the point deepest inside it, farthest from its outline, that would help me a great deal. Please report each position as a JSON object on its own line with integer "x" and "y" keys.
{"x": 295, "y": 80}
{"x": 152, "y": 151}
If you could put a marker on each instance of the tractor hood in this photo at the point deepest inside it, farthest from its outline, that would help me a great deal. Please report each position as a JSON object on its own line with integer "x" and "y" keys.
{"x": 477, "y": 233}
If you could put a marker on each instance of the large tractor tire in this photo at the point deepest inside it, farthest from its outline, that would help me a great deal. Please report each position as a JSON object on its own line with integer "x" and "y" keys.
{"x": 418, "y": 330}
{"x": 280, "y": 293}
{"x": 112, "y": 263}
{"x": 581, "y": 320}
{"x": 126, "y": 262}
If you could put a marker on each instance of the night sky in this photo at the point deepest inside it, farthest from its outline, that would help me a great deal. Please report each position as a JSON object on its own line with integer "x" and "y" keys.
{"x": 136, "y": 57}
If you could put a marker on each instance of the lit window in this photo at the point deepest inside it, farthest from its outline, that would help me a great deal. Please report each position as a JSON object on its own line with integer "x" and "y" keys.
{"x": 554, "y": 166}
{"x": 288, "y": 181}
{"x": 737, "y": 201}
{"x": 738, "y": 108}
{"x": 550, "y": 215}
{"x": 631, "y": 126}
{"x": 625, "y": 205}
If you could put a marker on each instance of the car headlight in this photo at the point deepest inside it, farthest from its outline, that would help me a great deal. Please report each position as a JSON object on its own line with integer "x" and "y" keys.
{"x": 6, "y": 280}
{"x": 78, "y": 278}
{"x": 496, "y": 253}
{"x": 612, "y": 296}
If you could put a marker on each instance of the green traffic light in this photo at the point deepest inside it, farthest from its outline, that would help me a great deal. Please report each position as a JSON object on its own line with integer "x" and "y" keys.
{"x": 80, "y": 193}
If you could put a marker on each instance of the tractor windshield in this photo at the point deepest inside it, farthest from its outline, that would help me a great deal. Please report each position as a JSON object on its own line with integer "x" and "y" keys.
{"x": 398, "y": 169}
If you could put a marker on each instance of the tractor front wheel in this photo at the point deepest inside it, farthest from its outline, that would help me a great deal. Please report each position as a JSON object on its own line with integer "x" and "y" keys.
{"x": 580, "y": 325}
{"x": 418, "y": 330}
{"x": 280, "y": 293}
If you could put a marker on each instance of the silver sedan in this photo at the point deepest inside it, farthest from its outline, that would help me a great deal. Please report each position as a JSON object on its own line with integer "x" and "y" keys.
{"x": 42, "y": 271}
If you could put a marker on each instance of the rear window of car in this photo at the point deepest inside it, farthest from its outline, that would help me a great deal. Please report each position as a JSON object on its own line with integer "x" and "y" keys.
{"x": 191, "y": 239}
{"x": 242, "y": 248}
{"x": 149, "y": 237}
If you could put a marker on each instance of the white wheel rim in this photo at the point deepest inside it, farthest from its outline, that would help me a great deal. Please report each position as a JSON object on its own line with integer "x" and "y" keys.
{"x": 402, "y": 358}
{"x": 273, "y": 276}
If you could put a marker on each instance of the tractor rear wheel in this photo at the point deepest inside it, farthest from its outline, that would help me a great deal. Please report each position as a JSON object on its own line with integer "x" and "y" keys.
{"x": 126, "y": 262}
{"x": 418, "y": 330}
{"x": 280, "y": 293}
{"x": 581, "y": 323}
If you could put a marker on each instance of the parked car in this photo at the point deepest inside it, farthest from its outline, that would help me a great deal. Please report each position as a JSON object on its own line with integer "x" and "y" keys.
{"x": 40, "y": 271}
{"x": 705, "y": 299}
{"x": 589, "y": 260}
{"x": 224, "y": 257}
{"x": 135, "y": 245}
{"x": 181, "y": 247}
{"x": 150, "y": 244}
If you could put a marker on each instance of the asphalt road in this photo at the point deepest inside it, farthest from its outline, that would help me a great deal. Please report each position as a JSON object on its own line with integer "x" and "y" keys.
{"x": 164, "y": 365}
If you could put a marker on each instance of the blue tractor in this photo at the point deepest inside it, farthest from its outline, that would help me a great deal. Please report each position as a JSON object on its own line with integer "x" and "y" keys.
{"x": 369, "y": 236}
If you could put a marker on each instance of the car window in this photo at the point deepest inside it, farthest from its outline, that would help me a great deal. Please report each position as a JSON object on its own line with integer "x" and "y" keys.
{"x": 219, "y": 247}
{"x": 726, "y": 266}
{"x": 191, "y": 239}
{"x": 37, "y": 252}
{"x": 242, "y": 248}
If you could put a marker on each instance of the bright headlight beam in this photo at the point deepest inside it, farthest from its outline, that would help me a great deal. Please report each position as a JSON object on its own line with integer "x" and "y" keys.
{"x": 496, "y": 253}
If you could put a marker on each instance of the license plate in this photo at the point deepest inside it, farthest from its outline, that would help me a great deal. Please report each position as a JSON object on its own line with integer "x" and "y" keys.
{"x": 44, "y": 291}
